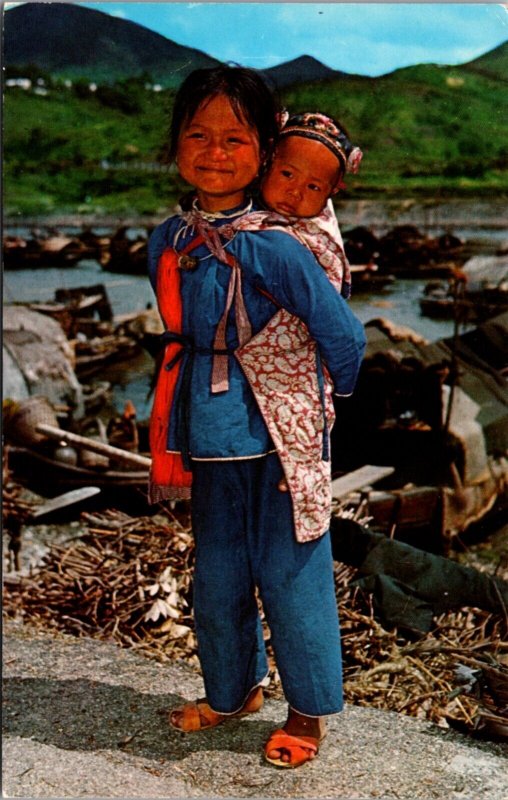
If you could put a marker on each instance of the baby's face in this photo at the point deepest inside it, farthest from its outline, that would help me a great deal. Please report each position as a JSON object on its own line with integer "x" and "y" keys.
{"x": 303, "y": 175}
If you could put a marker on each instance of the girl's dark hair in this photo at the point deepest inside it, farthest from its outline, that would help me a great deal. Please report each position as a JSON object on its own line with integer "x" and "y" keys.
{"x": 250, "y": 97}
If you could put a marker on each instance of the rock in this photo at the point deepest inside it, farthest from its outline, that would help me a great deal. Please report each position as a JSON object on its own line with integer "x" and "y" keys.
{"x": 38, "y": 360}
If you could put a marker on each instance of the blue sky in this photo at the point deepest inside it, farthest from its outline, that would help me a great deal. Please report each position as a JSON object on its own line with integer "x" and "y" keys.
{"x": 363, "y": 38}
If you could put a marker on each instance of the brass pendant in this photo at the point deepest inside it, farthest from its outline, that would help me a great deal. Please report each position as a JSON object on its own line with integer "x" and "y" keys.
{"x": 188, "y": 262}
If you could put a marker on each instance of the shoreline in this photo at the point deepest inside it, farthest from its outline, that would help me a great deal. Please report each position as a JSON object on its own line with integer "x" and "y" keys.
{"x": 428, "y": 213}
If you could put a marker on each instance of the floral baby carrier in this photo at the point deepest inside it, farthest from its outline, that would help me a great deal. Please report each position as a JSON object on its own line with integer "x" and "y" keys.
{"x": 281, "y": 363}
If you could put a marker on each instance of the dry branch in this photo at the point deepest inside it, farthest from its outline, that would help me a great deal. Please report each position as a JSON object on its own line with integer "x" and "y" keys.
{"x": 129, "y": 579}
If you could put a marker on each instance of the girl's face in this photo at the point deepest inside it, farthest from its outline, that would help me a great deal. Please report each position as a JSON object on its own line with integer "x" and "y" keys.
{"x": 218, "y": 154}
{"x": 303, "y": 175}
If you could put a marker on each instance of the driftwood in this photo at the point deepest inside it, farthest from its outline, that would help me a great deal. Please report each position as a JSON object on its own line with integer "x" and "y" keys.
{"x": 97, "y": 447}
{"x": 359, "y": 479}
{"x": 65, "y": 500}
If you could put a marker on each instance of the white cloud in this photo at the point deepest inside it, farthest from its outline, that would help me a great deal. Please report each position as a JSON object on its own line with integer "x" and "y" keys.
{"x": 118, "y": 12}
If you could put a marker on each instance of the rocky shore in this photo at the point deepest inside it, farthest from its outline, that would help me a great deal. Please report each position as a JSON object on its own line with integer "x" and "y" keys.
{"x": 428, "y": 213}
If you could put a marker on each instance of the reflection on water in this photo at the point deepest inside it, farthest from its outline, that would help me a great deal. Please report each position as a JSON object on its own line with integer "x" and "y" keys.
{"x": 399, "y": 303}
{"x": 126, "y": 292}
{"x": 130, "y": 380}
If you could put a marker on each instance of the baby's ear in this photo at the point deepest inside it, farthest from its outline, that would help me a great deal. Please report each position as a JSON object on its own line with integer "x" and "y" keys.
{"x": 338, "y": 186}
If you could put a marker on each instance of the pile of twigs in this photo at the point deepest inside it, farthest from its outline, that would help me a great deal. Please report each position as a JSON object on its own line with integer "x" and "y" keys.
{"x": 422, "y": 678}
{"x": 128, "y": 579}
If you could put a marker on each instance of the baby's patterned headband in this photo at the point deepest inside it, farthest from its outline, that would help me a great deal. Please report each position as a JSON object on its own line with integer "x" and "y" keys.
{"x": 325, "y": 130}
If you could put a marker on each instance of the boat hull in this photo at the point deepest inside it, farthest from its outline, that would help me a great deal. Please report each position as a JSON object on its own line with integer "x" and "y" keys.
{"x": 52, "y": 477}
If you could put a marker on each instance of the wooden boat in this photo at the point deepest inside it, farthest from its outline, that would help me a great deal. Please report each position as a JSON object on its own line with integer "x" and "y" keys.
{"x": 405, "y": 251}
{"x": 51, "y": 459}
{"x": 93, "y": 354}
{"x": 474, "y": 307}
{"x": 367, "y": 278}
{"x": 410, "y": 511}
{"x": 86, "y": 317}
{"x": 127, "y": 251}
{"x": 408, "y": 252}
{"x": 438, "y": 413}
{"x": 437, "y": 300}
{"x": 482, "y": 294}
{"x": 55, "y": 250}
{"x": 49, "y": 476}
{"x": 122, "y": 251}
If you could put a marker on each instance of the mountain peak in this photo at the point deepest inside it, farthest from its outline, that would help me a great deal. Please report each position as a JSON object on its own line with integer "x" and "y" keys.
{"x": 300, "y": 69}
{"x": 71, "y": 41}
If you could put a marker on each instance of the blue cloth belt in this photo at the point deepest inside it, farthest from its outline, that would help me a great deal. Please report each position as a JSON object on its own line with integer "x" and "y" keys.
{"x": 182, "y": 396}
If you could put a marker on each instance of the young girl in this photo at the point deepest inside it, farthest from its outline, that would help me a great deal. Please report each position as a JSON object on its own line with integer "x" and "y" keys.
{"x": 218, "y": 287}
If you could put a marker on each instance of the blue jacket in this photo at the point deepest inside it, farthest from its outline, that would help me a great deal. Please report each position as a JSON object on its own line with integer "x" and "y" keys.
{"x": 229, "y": 425}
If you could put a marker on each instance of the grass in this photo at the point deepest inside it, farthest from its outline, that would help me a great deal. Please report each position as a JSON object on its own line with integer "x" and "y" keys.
{"x": 426, "y": 131}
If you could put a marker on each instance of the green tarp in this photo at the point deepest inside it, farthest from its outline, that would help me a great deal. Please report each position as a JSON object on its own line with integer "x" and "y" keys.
{"x": 410, "y": 586}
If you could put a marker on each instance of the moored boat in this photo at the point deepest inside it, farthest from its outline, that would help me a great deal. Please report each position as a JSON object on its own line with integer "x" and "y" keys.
{"x": 404, "y": 251}
{"x": 55, "y": 474}
{"x": 85, "y": 315}
{"x": 367, "y": 278}
{"x": 482, "y": 292}
{"x": 437, "y": 412}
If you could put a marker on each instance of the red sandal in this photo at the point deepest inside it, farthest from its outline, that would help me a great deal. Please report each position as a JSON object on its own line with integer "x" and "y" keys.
{"x": 300, "y": 748}
{"x": 198, "y": 716}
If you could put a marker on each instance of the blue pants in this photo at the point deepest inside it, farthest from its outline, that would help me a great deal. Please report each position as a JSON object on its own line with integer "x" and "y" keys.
{"x": 244, "y": 536}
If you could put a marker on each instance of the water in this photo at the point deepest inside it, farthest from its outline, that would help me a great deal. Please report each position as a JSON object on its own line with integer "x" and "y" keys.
{"x": 131, "y": 379}
{"x": 126, "y": 292}
{"x": 399, "y": 303}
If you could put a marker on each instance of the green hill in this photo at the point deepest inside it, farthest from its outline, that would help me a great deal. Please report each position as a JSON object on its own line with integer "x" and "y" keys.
{"x": 425, "y": 130}
{"x": 493, "y": 63}
{"x": 73, "y": 149}
{"x": 70, "y": 41}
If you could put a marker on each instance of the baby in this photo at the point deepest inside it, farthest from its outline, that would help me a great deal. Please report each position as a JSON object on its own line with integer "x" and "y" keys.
{"x": 312, "y": 155}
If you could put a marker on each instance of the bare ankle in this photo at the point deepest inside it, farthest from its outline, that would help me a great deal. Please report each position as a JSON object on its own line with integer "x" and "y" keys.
{"x": 303, "y": 725}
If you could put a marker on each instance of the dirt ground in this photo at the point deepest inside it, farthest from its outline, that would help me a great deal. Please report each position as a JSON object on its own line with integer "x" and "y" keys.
{"x": 85, "y": 718}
